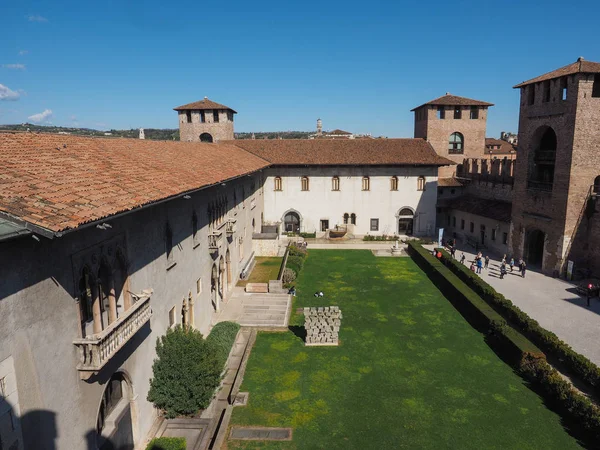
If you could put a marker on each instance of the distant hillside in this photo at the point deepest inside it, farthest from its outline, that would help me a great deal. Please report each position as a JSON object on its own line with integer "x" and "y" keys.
{"x": 150, "y": 133}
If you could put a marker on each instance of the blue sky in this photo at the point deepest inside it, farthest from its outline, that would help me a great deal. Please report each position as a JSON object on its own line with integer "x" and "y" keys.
{"x": 360, "y": 66}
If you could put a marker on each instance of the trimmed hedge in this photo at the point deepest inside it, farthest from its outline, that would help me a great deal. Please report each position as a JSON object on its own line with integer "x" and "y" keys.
{"x": 295, "y": 262}
{"x": 167, "y": 443}
{"x": 472, "y": 306}
{"x": 574, "y": 362}
{"x": 294, "y": 250}
{"x": 222, "y": 337}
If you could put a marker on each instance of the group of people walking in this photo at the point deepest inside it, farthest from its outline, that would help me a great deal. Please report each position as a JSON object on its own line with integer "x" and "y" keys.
{"x": 483, "y": 262}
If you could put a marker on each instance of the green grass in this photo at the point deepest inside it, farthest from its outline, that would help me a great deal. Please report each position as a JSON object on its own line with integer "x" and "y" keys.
{"x": 266, "y": 268}
{"x": 410, "y": 371}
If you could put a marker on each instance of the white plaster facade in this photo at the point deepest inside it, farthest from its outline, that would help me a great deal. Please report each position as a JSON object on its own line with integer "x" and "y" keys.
{"x": 320, "y": 202}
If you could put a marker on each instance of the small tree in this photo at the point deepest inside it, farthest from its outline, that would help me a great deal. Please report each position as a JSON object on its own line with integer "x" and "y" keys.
{"x": 186, "y": 373}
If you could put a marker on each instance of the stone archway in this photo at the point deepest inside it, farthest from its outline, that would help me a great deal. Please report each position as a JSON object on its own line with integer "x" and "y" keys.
{"x": 405, "y": 217}
{"x": 115, "y": 421}
{"x": 214, "y": 288}
{"x": 206, "y": 137}
{"x": 534, "y": 247}
{"x": 292, "y": 221}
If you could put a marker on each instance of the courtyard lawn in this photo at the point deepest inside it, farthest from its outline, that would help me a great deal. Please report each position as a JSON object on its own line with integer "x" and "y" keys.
{"x": 410, "y": 372}
{"x": 266, "y": 268}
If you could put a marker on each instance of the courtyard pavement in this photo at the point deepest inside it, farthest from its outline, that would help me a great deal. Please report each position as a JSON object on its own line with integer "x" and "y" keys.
{"x": 551, "y": 301}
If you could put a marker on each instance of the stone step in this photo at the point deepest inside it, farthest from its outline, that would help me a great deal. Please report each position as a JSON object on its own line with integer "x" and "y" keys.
{"x": 259, "y": 309}
{"x": 248, "y": 317}
{"x": 266, "y": 323}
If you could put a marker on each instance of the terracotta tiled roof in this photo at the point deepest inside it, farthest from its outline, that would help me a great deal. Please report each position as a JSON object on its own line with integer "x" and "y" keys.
{"x": 505, "y": 147}
{"x": 344, "y": 152}
{"x": 452, "y": 100}
{"x": 579, "y": 66}
{"x": 60, "y": 182}
{"x": 449, "y": 182}
{"x": 203, "y": 104}
{"x": 493, "y": 209}
{"x": 337, "y": 131}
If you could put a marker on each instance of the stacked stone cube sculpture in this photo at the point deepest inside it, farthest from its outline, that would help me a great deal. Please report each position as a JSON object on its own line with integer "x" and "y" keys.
{"x": 322, "y": 325}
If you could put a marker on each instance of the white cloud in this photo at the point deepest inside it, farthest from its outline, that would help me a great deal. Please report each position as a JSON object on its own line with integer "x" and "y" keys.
{"x": 36, "y": 18}
{"x": 8, "y": 95}
{"x": 14, "y": 66}
{"x": 23, "y": 52}
{"x": 41, "y": 117}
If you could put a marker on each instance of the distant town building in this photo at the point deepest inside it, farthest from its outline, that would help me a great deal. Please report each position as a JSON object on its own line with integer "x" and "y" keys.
{"x": 205, "y": 121}
{"x": 509, "y": 137}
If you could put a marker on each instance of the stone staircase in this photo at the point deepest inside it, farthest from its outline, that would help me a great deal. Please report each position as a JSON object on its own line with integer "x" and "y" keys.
{"x": 265, "y": 310}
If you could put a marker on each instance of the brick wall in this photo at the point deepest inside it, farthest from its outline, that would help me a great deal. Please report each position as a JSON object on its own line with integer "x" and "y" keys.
{"x": 222, "y": 130}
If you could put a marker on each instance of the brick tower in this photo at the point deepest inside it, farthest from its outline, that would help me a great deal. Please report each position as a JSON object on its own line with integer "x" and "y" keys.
{"x": 554, "y": 217}
{"x": 455, "y": 127}
{"x": 205, "y": 121}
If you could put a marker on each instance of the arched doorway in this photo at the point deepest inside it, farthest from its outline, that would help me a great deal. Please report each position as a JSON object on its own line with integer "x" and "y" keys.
{"x": 534, "y": 247}
{"x": 405, "y": 221}
{"x": 292, "y": 222}
{"x": 214, "y": 287}
{"x": 114, "y": 426}
{"x": 206, "y": 137}
{"x": 542, "y": 158}
{"x": 228, "y": 270}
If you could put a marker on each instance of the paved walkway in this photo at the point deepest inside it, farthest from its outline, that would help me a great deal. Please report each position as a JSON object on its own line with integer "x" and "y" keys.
{"x": 255, "y": 310}
{"x": 552, "y": 302}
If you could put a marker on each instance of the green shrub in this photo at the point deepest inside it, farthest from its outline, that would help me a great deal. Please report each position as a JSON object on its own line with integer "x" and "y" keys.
{"x": 295, "y": 263}
{"x": 185, "y": 374}
{"x": 309, "y": 235}
{"x": 221, "y": 338}
{"x": 294, "y": 250}
{"x": 288, "y": 276}
{"x": 167, "y": 443}
{"x": 383, "y": 237}
{"x": 546, "y": 340}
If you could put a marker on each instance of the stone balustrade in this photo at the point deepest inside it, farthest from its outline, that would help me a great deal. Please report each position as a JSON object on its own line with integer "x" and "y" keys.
{"x": 97, "y": 349}
{"x": 322, "y": 325}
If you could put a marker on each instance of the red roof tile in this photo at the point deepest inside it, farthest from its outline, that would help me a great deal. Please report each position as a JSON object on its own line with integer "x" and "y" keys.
{"x": 344, "y": 152}
{"x": 579, "y": 66}
{"x": 203, "y": 104}
{"x": 454, "y": 100}
{"x": 60, "y": 182}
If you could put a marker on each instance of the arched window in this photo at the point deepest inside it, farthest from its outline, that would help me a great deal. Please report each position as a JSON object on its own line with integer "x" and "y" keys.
{"x": 305, "y": 185}
{"x": 394, "y": 183}
{"x": 597, "y": 185}
{"x": 366, "y": 183}
{"x": 353, "y": 219}
{"x": 421, "y": 183}
{"x": 346, "y": 217}
{"x": 456, "y": 143}
{"x": 206, "y": 137}
{"x": 335, "y": 183}
{"x": 277, "y": 183}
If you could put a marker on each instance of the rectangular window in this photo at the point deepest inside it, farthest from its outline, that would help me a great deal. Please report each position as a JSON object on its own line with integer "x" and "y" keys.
{"x": 474, "y": 112}
{"x": 596, "y": 86}
{"x": 199, "y": 286}
{"x": 441, "y": 112}
{"x": 230, "y": 116}
{"x": 462, "y": 224}
{"x": 472, "y": 227}
{"x": 493, "y": 234}
{"x": 215, "y": 115}
{"x": 324, "y": 224}
{"x": 366, "y": 184}
{"x": 457, "y": 112}
{"x": 563, "y": 87}
{"x": 278, "y": 185}
{"x": 202, "y": 117}
{"x": 335, "y": 184}
{"x": 188, "y": 116}
{"x": 531, "y": 94}
{"x": 505, "y": 238}
{"x": 421, "y": 183}
{"x": 172, "y": 317}
{"x": 374, "y": 224}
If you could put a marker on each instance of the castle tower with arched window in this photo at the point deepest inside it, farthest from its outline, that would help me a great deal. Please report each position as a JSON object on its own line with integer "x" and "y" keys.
{"x": 205, "y": 121}
{"x": 454, "y": 126}
{"x": 555, "y": 218}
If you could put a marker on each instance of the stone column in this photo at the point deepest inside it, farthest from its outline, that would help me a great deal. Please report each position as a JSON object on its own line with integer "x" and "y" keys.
{"x": 191, "y": 310}
{"x": 96, "y": 311}
{"x": 112, "y": 301}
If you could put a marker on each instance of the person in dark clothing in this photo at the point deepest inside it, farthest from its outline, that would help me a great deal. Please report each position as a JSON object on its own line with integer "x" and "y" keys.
{"x": 523, "y": 269}
{"x": 453, "y": 252}
{"x": 502, "y": 271}
{"x": 462, "y": 258}
{"x": 487, "y": 262}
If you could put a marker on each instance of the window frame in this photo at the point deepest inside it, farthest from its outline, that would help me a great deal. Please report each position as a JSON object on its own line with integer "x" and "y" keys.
{"x": 457, "y": 113}
{"x": 188, "y": 117}
{"x": 441, "y": 112}
{"x": 474, "y": 113}
{"x": 366, "y": 183}
{"x": 374, "y": 224}
{"x": 456, "y": 147}
{"x": 215, "y": 116}
{"x": 277, "y": 184}
{"x": 421, "y": 182}
{"x": 394, "y": 183}
{"x": 305, "y": 183}
{"x": 335, "y": 183}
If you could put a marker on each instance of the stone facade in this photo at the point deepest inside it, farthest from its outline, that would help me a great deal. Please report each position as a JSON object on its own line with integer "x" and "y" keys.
{"x": 437, "y": 132}
{"x": 321, "y": 203}
{"x": 41, "y": 315}
{"x": 559, "y": 132}
{"x": 218, "y": 131}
